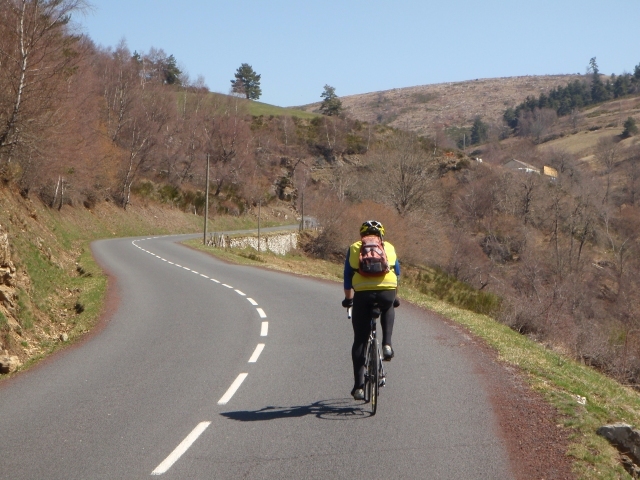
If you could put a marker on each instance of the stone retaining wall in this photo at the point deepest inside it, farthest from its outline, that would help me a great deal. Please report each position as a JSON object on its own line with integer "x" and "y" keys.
{"x": 278, "y": 243}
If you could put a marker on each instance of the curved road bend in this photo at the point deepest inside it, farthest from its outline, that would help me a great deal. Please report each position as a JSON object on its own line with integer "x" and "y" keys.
{"x": 211, "y": 370}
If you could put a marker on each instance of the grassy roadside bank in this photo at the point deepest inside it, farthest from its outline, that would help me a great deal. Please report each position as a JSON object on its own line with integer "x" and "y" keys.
{"x": 564, "y": 383}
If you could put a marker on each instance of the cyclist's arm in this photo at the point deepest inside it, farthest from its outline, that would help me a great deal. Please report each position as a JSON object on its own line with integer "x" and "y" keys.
{"x": 348, "y": 276}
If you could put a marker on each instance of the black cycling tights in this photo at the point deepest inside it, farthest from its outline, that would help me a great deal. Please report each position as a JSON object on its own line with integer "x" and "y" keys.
{"x": 363, "y": 304}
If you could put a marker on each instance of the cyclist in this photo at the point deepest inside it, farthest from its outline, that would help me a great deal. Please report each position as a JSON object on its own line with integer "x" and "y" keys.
{"x": 363, "y": 293}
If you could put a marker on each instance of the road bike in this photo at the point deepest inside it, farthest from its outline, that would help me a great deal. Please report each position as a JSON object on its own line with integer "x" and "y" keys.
{"x": 374, "y": 375}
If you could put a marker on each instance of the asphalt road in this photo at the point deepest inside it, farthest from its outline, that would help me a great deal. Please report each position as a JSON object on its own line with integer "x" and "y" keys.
{"x": 153, "y": 392}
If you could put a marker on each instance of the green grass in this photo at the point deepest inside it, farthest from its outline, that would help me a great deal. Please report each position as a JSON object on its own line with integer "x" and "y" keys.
{"x": 257, "y": 108}
{"x": 25, "y": 310}
{"x": 559, "y": 379}
{"x": 226, "y": 223}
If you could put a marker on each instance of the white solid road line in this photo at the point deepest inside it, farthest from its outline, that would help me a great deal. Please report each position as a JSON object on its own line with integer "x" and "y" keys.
{"x": 256, "y": 353}
{"x": 264, "y": 329}
{"x": 180, "y": 449}
{"x": 261, "y": 313}
{"x": 232, "y": 389}
{"x": 252, "y": 301}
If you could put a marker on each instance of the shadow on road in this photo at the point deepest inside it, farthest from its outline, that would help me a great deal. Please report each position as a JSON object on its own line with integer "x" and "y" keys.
{"x": 341, "y": 409}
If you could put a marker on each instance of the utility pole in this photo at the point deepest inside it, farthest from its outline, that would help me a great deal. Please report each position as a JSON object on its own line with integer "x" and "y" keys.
{"x": 302, "y": 211}
{"x": 259, "y": 207}
{"x": 206, "y": 204}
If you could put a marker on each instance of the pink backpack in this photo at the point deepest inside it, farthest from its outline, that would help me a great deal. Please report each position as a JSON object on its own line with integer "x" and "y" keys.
{"x": 372, "y": 261}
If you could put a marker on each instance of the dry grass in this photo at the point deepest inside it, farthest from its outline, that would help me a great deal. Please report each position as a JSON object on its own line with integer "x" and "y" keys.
{"x": 423, "y": 108}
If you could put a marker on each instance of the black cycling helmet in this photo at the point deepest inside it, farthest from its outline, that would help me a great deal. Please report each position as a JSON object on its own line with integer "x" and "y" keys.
{"x": 372, "y": 227}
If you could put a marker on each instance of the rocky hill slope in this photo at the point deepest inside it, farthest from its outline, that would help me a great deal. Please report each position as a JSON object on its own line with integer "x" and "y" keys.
{"x": 424, "y": 109}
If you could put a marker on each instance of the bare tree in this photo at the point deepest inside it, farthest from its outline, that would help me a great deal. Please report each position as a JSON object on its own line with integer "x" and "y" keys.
{"x": 140, "y": 136}
{"x": 36, "y": 53}
{"x": 404, "y": 173}
{"x": 632, "y": 170}
{"x": 607, "y": 155}
{"x": 228, "y": 139}
{"x": 536, "y": 123}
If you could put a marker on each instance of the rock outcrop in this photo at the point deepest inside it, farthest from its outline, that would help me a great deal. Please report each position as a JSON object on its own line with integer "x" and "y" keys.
{"x": 627, "y": 440}
{"x": 7, "y": 273}
{"x": 8, "y": 363}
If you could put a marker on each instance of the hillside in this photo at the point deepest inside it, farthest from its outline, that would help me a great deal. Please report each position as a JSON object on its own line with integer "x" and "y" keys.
{"x": 422, "y": 109}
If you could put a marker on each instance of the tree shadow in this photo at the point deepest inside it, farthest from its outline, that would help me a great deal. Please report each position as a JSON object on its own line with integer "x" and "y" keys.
{"x": 338, "y": 409}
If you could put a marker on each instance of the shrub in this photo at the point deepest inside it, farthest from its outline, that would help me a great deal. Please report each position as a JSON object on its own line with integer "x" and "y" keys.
{"x": 630, "y": 128}
{"x": 145, "y": 189}
{"x": 170, "y": 194}
{"x": 436, "y": 282}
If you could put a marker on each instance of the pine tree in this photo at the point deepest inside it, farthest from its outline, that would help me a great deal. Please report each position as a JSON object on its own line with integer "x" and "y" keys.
{"x": 171, "y": 71}
{"x": 479, "y": 131}
{"x": 331, "y": 105}
{"x": 247, "y": 82}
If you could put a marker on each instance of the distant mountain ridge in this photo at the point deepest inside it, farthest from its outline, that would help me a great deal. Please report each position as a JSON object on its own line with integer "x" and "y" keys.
{"x": 425, "y": 108}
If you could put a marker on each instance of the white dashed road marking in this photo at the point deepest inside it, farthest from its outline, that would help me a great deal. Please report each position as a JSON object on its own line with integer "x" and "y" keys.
{"x": 232, "y": 389}
{"x": 180, "y": 449}
{"x": 256, "y": 353}
{"x": 193, "y": 436}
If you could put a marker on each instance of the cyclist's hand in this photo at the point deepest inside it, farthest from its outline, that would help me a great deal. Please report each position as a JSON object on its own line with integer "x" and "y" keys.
{"x": 347, "y": 302}
{"x": 396, "y": 302}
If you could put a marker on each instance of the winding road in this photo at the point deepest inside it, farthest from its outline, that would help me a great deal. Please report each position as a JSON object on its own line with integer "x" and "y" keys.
{"x": 211, "y": 370}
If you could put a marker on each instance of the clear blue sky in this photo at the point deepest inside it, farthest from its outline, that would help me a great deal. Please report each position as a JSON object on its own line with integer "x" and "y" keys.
{"x": 362, "y": 46}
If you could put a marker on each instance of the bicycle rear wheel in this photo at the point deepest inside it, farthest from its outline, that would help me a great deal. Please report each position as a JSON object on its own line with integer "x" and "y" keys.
{"x": 374, "y": 377}
{"x": 367, "y": 373}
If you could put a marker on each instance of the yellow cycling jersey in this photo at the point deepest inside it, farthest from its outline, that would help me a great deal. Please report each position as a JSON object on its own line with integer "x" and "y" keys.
{"x": 360, "y": 283}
